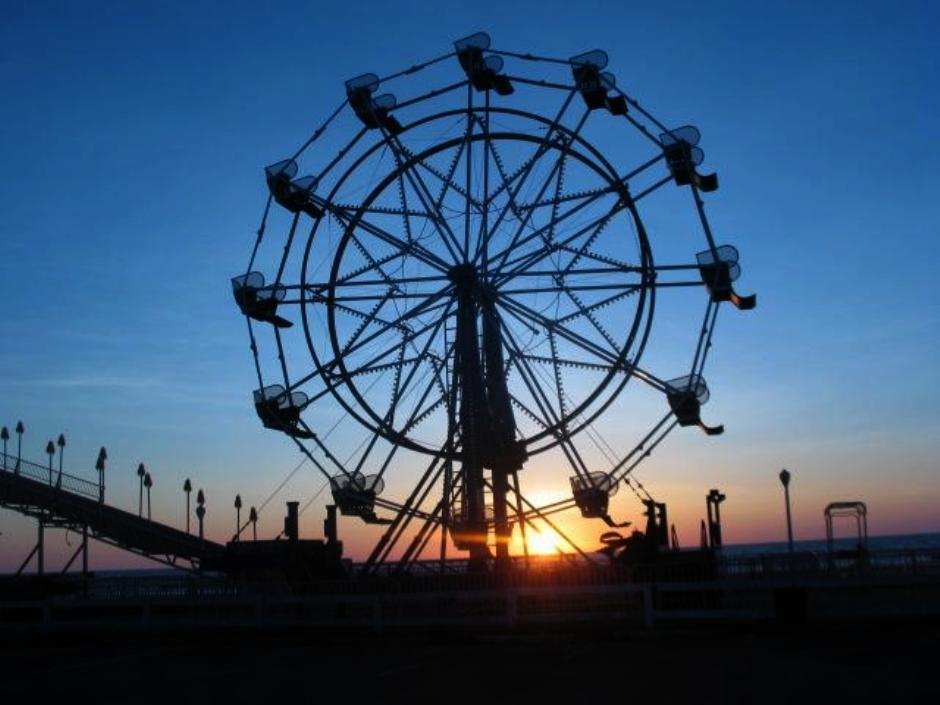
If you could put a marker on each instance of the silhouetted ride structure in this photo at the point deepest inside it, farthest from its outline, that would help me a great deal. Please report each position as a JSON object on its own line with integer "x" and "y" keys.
{"x": 464, "y": 272}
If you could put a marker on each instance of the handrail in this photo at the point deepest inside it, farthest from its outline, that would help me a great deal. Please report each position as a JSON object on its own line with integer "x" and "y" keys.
{"x": 78, "y": 485}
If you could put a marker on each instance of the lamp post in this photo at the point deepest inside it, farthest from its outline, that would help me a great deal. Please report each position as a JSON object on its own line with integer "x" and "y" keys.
{"x": 61, "y": 444}
{"x": 187, "y": 488}
{"x": 20, "y": 430}
{"x": 141, "y": 471}
{"x": 785, "y": 481}
{"x": 148, "y": 483}
{"x": 253, "y": 518}
{"x": 50, "y": 451}
{"x": 238, "y": 515}
{"x": 4, "y": 436}
{"x": 99, "y": 466}
{"x": 200, "y": 511}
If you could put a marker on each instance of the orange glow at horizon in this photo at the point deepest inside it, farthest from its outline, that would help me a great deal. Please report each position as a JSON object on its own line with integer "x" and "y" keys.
{"x": 544, "y": 542}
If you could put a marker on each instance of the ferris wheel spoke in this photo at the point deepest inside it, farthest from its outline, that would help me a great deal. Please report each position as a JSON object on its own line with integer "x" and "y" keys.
{"x": 562, "y": 441}
{"x": 382, "y": 210}
{"x": 520, "y": 309}
{"x": 627, "y": 287}
{"x": 418, "y": 185}
{"x": 480, "y": 253}
{"x": 448, "y": 179}
{"x": 527, "y": 259}
{"x": 399, "y": 388}
{"x": 422, "y": 356}
{"x": 366, "y": 319}
{"x": 423, "y": 308}
{"x": 554, "y": 173}
{"x": 558, "y": 200}
{"x": 650, "y": 189}
{"x": 617, "y": 187}
{"x": 405, "y": 248}
{"x": 522, "y": 312}
{"x": 593, "y": 229}
{"x": 552, "y": 422}
{"x": 419, "y": 415}
{"x": 328, "y": 300}
{"x": 318, "y": 287}
{"x": 644, "y": 449}
{"x": 468, "y": 179}
{"x": 589, "y": 315}
{"x": 347, "y": 278}
{"x": 549, "y": 140}
{"x": 567, "y": 362}
{"x": 613, "y": 298}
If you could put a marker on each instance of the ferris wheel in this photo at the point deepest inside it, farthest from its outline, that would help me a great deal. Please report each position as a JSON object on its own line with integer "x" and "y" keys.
{"x": 452, "y": 291}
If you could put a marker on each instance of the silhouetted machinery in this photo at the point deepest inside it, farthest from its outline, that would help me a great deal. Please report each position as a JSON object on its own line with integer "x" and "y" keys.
{"x": 288, "y": 559}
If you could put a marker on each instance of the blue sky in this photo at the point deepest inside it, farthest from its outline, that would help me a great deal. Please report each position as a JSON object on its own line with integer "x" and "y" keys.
{"x": 133, "y": 139}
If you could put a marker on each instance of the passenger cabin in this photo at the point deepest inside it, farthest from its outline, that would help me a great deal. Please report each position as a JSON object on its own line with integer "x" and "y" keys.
{"x": 355, "y": 495}
{"x": 594, "y": 85}
{"x": 719, "y": 268}
{"x": 280, "y": 410}
{"x": 683, "y": 156}
{"x": 258, "y": 301}
{"x": 592, "y": 493}
{"x": 372, "y": 111}
{"x": 295, "y": 195}
{"x": 686, "y": 396}
{"x": 483, "y": 71}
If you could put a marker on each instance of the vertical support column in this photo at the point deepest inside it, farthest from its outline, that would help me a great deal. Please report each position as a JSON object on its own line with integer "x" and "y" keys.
{"x": 507, "y": 455}
{"x": 470, "y": 383}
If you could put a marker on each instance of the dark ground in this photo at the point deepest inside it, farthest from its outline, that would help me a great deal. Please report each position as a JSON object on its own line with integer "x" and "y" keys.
{"x": 756, "y": 665}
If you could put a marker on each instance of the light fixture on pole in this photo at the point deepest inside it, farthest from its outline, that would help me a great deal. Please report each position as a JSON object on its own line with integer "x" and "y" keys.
{"x": 785, "y": 481}
{"x": 200, "y": 511}
{"x": 4, "y": 436}
{"x": 99, "y": 466}
{"x": 61, "y": 444}
{"x": 20, "y": 430}
{"x": 50, "y": 451}
{"x": 141, "y": 471}
{"x": 187, "y": 488}
{"x": 148, "y": 483}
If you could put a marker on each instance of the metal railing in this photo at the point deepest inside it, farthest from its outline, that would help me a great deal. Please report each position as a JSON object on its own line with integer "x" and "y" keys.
{"x": 51, "y": 476}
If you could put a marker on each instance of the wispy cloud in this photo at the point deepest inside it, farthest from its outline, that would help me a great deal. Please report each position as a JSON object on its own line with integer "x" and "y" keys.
{"x": 84, "y": 381}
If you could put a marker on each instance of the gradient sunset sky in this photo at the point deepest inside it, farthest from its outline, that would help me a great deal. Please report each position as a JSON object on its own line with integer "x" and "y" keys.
{"x": 133, "y": 138}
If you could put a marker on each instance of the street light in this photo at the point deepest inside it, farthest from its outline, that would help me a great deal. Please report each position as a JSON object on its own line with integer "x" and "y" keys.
{"x": 253, "y": 518}
{"x": 4, "y": 436}
{"x": 61, "y": 444}
{"x": 50, "y": 450}
{"x": 99, "y": 466}
{"x": 200, "y": 511}
{"x": 238, "y": 515}
{"x": 187, "y": 488}
{"x": 141, "y": 471}
{"x": 785, "y": 481}
{"x": 20, "y": 430}
{"x": 148, "y": 483}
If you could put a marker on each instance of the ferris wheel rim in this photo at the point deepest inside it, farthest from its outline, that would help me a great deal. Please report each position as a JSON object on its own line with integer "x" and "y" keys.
{"x": 565, "y": 426}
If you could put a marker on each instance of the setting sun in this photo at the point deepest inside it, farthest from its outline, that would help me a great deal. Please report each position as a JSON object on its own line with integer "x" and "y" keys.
{"x": 543, "y": 542}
